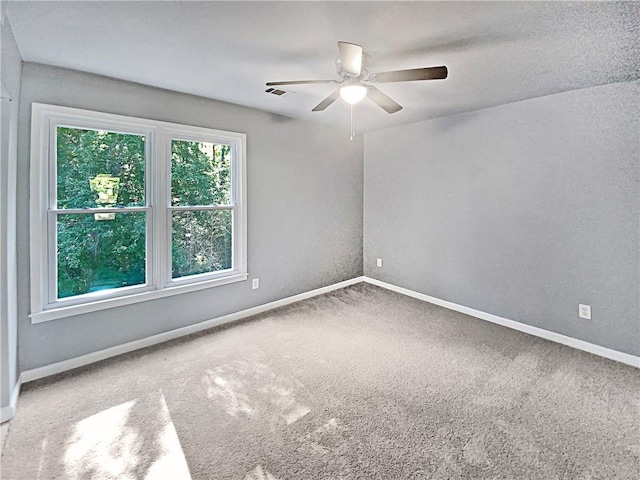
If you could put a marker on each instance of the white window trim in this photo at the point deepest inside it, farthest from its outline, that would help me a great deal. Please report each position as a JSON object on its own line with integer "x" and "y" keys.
{"x": 158, "y": 265}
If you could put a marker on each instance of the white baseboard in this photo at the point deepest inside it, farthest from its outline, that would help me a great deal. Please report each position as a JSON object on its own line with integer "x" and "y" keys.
{"x": 9, "y": 411}
{"x": 522, "y": 327}
{"x": 59, "y": 367}
{"x": 55, "y": 368}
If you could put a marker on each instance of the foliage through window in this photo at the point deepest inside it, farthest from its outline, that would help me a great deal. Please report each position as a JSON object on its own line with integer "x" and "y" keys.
{"x": 200, "y": 177}
{"x": 132, "y": 206}
{"x": 99, "y": 251}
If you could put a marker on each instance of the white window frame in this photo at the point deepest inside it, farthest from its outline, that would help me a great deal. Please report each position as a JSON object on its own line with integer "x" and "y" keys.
{"x": 159, "y": 283}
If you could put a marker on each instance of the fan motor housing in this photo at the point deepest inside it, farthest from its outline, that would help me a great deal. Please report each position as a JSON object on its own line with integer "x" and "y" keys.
{"x": 366, "y": 62}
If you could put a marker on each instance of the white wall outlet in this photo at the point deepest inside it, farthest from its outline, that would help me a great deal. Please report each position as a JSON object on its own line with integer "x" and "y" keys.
{"x": 378, "y": 262}
{"x": 255, "y": 283}
{"x": 584, "y": 311}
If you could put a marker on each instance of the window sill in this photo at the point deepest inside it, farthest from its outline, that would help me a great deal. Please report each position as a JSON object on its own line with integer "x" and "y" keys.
{"x": 71, "y": 310}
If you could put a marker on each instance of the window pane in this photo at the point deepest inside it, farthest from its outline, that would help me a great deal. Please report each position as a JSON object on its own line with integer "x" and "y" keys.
{"x": 100, "y": 251}
{"x": 200, "y": 173}
{"x": 99, "y": 169}
{"x": 202, "y": 241}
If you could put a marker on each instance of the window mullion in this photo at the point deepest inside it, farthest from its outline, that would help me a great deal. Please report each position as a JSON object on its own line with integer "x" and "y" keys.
{"x": 100, "y": 210}
{"x": 159, "y": 187}
{"x": 150, "y": 221}
{"x": 194, "y": 208}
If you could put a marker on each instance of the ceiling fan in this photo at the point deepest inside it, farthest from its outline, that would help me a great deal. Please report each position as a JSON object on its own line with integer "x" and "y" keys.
{"x": 355, "y": 83}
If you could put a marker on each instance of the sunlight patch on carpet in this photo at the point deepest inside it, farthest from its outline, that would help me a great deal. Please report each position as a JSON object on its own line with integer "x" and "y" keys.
{"x": 329, "y": 437}
{"x": 295, "y": 414}
{"x": 133, "y": 440}
{"x": 228, "y": 392}
{"x": 259, "y": 473}
{"x": 252, "y": 389}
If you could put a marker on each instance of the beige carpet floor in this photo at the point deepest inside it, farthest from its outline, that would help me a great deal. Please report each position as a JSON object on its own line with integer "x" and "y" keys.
{"x": 361, "y": 383}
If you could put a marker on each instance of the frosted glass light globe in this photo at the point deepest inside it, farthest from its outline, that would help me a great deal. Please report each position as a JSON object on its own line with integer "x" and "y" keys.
{"x": 353, "y": 93}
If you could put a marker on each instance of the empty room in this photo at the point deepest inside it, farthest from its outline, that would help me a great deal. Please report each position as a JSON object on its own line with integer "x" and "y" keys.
{"x": 320, "y": 240}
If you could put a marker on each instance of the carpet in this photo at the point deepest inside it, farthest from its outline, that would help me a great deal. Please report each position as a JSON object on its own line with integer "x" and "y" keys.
{"x": 360, "y": 383}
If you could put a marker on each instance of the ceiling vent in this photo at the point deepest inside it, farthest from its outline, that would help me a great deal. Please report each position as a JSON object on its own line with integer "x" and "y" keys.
{"x": 275, "y": 91}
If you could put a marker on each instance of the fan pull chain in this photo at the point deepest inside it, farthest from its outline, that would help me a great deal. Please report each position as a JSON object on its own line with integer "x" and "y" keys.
{"x": 353, "y": 131}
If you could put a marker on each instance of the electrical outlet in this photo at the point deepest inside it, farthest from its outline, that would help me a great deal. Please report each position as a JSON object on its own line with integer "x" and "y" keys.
{"x": 584, "y": 311}
{"x": 378, "y": 262}
{"x": 255, "y": 283}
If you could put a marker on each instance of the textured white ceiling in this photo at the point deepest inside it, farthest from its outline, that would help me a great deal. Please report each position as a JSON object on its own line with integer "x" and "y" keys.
{"x": 496, "y": 52}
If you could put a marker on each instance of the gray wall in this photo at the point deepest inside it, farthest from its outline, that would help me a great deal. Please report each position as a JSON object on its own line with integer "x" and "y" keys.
{"x": 11, "y": 66}
{"x": 304, "y": 211}
{"x": 523, "y": 211}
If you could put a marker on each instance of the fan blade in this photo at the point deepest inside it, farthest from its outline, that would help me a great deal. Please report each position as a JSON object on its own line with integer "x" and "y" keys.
{"x": 298, "y": 82}
{"x": 383, "y": 101}
{"x": 350, "y": 57}
{"x": 327, "y": 101}
{"x": 427, "y": 73}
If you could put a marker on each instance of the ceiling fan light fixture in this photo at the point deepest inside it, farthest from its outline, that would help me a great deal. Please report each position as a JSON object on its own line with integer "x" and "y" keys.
{"x": 353, "y": 68}
{"x": 353, "y": 94}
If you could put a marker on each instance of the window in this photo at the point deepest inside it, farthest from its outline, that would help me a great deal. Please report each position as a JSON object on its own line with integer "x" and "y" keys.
{"x": 125, "y": 210}
{"x": 201, "y": 207}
